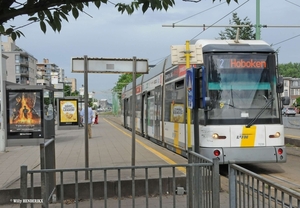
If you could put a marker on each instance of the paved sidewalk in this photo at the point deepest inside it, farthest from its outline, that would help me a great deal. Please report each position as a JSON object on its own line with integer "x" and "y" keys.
{"x": 110, "y": 146}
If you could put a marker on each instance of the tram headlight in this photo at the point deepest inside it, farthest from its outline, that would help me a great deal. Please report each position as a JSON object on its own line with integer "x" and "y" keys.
{"x": 217, "y": 136}
{"x": 276, "y": 135}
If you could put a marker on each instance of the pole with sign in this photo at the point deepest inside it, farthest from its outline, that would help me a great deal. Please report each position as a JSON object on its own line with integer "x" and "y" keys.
{"x": 108, "y": 65}
{"x": 188, "y": 54}
{"x": 187, "y": 57}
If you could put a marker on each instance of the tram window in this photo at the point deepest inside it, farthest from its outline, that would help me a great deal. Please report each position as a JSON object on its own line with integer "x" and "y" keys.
{"x": 179, "y": 84}
{"x": 174, "y": 99}
{"x": 138, "y": 105}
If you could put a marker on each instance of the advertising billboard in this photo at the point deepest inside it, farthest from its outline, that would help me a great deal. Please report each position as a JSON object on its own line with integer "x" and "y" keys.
{"x": 68, "y": 112}
{"x": 24, "y": 114}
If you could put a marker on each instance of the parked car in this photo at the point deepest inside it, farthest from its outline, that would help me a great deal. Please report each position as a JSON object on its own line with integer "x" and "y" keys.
{"x": 288, "y": 111}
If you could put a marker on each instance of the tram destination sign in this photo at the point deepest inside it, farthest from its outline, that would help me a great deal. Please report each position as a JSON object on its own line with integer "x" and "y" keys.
{"x": 109, "y": 65}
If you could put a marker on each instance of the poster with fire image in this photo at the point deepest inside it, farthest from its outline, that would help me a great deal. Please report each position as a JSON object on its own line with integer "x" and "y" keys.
{"x": 24, "y": 114}
{"x": 68, "y": 112}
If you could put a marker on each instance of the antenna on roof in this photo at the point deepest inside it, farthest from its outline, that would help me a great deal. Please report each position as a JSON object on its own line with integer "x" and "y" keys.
{"x": 237, "y": 35}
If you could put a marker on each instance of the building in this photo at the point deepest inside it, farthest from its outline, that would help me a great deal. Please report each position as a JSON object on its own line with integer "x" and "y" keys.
{"x": 291, "y": 88}
{"x": 49, "y": 73}
{"x": 20, "y": 65}
{"x": 72, "y": 82}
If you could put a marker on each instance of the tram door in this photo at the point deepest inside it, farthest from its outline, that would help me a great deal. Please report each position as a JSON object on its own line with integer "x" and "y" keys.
{"x": 157, "y": 112}
{"x": 150, "y": 116}
{"x": 144, "y": 115}
{"x": 125, "y": 111}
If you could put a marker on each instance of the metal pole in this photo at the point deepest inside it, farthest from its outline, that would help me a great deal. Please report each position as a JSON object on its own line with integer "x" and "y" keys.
{"x": 187, "y": 59}
{"x": 86, "y": 97}
{"x": 257, "y": 26}
{"x": 133, "y": 112}
{"x": 195, "y": 112}
{"x": 216, "y": 183}
{"x": 206, "y": 26}
{"x": 232, "y": 186}
{"x": 23, "y": 185}
{"x": 2, "y": 103}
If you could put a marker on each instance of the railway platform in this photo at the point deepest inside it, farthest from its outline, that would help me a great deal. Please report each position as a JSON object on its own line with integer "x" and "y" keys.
{"x": 110, "y": 146}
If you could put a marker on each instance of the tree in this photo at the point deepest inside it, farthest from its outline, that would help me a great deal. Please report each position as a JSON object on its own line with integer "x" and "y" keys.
{"x": 123, "y": 80}
{"x": 246, "y": 33}
{"x": 297, "y": 103}
{"x": 290, "y": 70}
{"x": 67, "y": 90}
{"x": 75, "y": 93}
{"x": 55, "y": 11}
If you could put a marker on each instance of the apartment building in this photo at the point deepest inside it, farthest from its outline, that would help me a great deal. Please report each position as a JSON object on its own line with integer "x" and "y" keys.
{"x": 291, "y": 88}
{"x": 49, "y": 73}
{"x": 72, "y": 82}
{"x": 20, "y": 65}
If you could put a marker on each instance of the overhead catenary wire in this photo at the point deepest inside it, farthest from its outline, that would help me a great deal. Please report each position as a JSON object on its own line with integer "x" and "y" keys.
{"x": 292, "y": 3}
{"x": 286, "y": 40}
{"x": 220, "y": 19}
{"x": 199, "y": 13}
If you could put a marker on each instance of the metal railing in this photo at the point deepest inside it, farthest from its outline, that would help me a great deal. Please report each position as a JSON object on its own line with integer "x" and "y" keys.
{"x": 47, "y": 161}
{"x": 147, "y": 181}
{"x": 247, "y": 189}
{"x": 206, "y": 187}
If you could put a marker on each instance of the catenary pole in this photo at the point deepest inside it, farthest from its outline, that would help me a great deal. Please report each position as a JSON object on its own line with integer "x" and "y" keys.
{"x": 257, "y": 26}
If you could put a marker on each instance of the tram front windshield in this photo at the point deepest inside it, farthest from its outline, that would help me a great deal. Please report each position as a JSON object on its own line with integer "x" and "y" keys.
{"x": 240, "y": 86}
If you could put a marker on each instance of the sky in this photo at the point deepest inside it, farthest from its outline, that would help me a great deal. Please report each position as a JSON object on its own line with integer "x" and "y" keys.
{"x": 107, "y": 33}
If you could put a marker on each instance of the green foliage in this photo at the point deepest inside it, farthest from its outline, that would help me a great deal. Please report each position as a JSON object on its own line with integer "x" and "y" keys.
{"x": 67, "y": 90}
{"x": 55, "y": 11}
{"x": 75, "y": 93}
{"x": 123, "y": 80}
{"x": 297, "y": 102}
{"x": 290, "y": 70}
{"x": 246, "y": 33}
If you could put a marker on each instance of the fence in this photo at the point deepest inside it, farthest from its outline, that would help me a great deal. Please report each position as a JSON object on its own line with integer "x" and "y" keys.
{"x": 247, "y": 189}
{"x": 206, "y": 187}
{"x": 198, "y": 184}
{"x": 47, "y": 157}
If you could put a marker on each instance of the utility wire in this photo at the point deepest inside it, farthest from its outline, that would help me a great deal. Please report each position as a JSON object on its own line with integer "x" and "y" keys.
{"x": 111, "y": 2}
{"x": 293, "y": 3}
{"x": 199, "y": 13}
{"x": 220, "y": 19}
{"x": 290, "y": 37}
{"x": 286, "y": 40}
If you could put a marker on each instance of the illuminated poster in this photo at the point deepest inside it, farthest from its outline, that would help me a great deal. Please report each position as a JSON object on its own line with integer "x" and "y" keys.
{"x": 177, "y": 113}
{"x": 68, "y": 112}
{"x": 25, "y": 118}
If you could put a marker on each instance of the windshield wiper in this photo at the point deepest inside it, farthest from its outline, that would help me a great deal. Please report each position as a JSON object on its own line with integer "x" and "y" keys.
{"x": 260, "y": 112}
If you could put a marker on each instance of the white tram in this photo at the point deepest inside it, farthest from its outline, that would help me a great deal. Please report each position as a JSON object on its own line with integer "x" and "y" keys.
{"x": 238, "y": 109}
